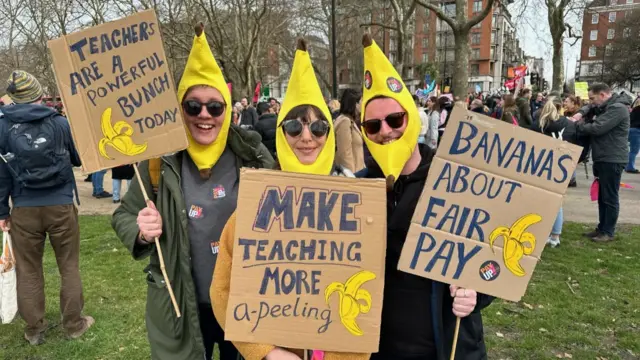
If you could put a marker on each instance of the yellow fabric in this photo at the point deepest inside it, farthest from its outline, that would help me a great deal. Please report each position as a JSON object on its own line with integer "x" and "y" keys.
{"x": 303, "y": 89}
{"x": 382, "y": 79}
{"x": 202, "y": 69}
{"x": 219, "y": 293}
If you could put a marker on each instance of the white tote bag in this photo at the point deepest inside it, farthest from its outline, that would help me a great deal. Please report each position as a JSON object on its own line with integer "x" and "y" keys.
{"x": 8, "y": 291}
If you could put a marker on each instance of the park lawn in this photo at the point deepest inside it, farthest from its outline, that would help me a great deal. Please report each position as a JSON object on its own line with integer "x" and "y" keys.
{"x": 599, "y": 319}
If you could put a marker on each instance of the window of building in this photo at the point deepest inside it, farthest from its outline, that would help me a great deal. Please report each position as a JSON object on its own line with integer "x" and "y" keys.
{"x": 475, "y": 54}
{"x": 594, "y": 18}
{"x": 587, "y": 69}
{"x": 629, "y": 2}
{"x": 475, "y": 39}
{"x": 494, "y": 21}
{"x": 425, "y": 57}
{"x": 425, "y": 27}
{"x": 450, "y": 9}
{"x": 491, "y": 54}
{"x": 628, "y": 13}
{"x": 478, "y": 25}
{"x": 425, "y": 42}
{"x": 477, "y": 6}
{"x": 611, "y": 33}
{"x": 614, "y": 2}
{"x": 612, "y": 17}
{"x": 626, "y": 32}
{"x": 608, "y": 50}
{"x": 593, "y": 35}
{"x": 475, "y": 69}
{"x": 493, "y": 37}
{"x": 592, "y": 51}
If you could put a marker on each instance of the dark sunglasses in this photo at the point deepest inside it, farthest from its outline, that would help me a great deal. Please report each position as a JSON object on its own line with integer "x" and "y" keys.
{"x": 394, "y": 120}
{"x": 294, "y": 127}
{"x": 193, "y": 108}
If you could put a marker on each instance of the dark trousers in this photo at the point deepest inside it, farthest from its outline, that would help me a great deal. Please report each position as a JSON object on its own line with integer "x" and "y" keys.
{"x": 609, "y": 176}
{"x": 212, "y": 333}
{"x": 29, "y": 229}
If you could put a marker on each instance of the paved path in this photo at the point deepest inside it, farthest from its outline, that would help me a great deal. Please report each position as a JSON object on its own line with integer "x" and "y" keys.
{"x": 578, "y": 206}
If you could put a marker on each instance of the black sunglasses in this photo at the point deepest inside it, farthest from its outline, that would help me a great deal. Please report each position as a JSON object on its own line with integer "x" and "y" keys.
{"x": 294, "y": 127}
{"x": 193, "y": 108}
{"x": 394, "y": 120}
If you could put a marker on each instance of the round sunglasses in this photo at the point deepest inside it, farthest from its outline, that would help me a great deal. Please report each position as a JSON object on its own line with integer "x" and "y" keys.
{"x": 394, "y": 120}
{"x": 193, "y": 107}
{"x": 294, "y": 127}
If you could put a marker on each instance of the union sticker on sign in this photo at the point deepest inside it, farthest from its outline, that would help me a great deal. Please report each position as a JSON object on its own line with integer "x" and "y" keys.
{"x": 488, "y": 206}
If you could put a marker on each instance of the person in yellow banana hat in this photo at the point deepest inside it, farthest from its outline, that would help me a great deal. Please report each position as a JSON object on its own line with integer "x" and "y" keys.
{"x": 196, "y": 194}
{"x": 305, "y": 143}
{"x": 418, "y": 315}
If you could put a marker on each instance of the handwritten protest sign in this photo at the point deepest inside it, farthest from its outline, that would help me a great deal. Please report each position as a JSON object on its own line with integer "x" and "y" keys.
{"x": 582, "y": 90}
{"x": 488, "y": 206}
{"x": 308, "y": 262}
{"x": 118, "y": 92}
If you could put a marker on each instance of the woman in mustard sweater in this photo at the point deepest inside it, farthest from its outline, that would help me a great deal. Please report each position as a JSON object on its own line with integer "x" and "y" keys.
{"x": 305, "y": 143}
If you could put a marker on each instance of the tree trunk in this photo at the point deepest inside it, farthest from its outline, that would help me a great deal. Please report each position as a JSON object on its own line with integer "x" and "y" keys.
{"x": 460, "y": 81}
{"x": 558, "y": 65}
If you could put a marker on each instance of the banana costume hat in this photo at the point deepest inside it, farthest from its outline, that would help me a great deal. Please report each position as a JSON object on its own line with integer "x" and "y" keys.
{"x": 303, "y": 89}
{"x": 202, "y": 69}
{"x": 382, "y": 79}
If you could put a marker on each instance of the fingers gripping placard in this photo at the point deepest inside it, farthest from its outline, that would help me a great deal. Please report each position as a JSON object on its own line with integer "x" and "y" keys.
{"x": 308, "y": 262}
{"x": 489, "y": 203}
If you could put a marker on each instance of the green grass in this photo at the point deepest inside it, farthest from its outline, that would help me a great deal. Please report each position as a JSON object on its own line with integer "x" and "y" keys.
{"x": 601, "y": 320}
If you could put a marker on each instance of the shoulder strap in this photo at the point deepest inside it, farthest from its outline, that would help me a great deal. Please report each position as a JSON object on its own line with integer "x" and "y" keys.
{"x": 154, "y": 173}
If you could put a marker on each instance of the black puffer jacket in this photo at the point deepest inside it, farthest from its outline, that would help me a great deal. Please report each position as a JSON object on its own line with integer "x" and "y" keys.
{"x": 417, "y": 311}
{"x": 266, "y": 127}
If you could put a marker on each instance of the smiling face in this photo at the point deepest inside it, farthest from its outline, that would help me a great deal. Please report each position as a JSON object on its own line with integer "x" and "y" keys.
{"x": 244, "y": 102}
{"x": 204, "y": 128}
{"x": 539, "y": 97}
{"x": 305, "y": 146}
{"x": 379, "y": 109}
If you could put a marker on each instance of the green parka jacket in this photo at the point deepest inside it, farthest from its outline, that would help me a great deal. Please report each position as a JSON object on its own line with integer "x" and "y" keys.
{"x": 171, "y": 337}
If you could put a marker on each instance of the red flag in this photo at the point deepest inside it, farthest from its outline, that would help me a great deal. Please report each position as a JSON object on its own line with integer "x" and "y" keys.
{"x": 230, "y": 86}
{"x": 256, "y": 93}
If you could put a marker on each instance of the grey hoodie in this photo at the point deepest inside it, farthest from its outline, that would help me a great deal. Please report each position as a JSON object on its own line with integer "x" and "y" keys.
{"x": 609, "y": 131}
{"x": 21, "y": 197}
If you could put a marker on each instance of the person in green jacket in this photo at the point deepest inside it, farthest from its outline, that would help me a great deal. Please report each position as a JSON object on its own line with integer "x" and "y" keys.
{"x": 194, "y": 196}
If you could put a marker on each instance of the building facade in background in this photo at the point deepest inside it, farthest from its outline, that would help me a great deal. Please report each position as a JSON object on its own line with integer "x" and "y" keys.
{"x": 600, "y": 29}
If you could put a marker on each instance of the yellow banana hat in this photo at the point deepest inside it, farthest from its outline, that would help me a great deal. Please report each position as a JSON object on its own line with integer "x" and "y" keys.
{"x": 202, "y": 69}
{"x": 382, "y": 79}
{"x": 303, "y": 89}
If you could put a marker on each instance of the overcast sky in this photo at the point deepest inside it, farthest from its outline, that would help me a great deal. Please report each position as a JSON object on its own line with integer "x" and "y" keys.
{"x": 535, "y": 38}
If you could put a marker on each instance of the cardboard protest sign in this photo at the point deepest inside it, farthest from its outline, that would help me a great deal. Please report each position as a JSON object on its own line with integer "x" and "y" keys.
{"x": 582, "y": 90}
{"x": 308, "y": 262}
{"x": 118, "y": 92}
{"x": 488, "y": 206}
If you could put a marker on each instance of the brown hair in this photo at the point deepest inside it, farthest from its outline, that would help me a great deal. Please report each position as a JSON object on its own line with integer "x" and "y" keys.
{"x": 509, "y": 101}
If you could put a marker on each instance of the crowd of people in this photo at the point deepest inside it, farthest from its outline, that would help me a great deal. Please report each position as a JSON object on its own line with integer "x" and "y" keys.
{"x": 379, "y": 131}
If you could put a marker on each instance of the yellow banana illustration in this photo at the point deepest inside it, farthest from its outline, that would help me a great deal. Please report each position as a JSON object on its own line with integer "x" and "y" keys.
{"x": 118, "y": 137}
{"x": 353, "y": 300}
{"x": 515, "y": 239}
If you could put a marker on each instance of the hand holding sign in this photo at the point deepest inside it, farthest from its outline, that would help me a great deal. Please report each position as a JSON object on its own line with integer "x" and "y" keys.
{"x": 281, "y": 354}
{"x": 464, "y": 301}
{"x": 149, "y": 221}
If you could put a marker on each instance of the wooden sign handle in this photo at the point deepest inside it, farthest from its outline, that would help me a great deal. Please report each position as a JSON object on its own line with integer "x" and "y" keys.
{"x": 455, "y": 340}
{"x": 157, "y": 242}
{"x": 306, "y": 355}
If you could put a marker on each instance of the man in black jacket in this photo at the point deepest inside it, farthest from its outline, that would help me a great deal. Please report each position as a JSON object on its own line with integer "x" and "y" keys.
{"x": 609, "y": 150}
{"x": 266, "y": 126}
{"x": 418, "y": 314}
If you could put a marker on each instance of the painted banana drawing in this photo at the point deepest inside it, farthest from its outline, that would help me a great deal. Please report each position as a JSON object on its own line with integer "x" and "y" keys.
{"x": 118, "y": 137}
{"x": 517, "y": 242}
{"x": 353, "y": 300}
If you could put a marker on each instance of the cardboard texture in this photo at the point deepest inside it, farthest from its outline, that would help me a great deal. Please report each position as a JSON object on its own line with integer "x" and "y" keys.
{"x": 488, "y": 206}
{"x": 118, "y": 92}
{"x": 308, "y": 262}
{"x": 582, "y": 90}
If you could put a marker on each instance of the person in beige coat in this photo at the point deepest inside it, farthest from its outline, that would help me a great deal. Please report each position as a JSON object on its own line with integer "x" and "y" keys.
{"x": 349, "y": 143}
